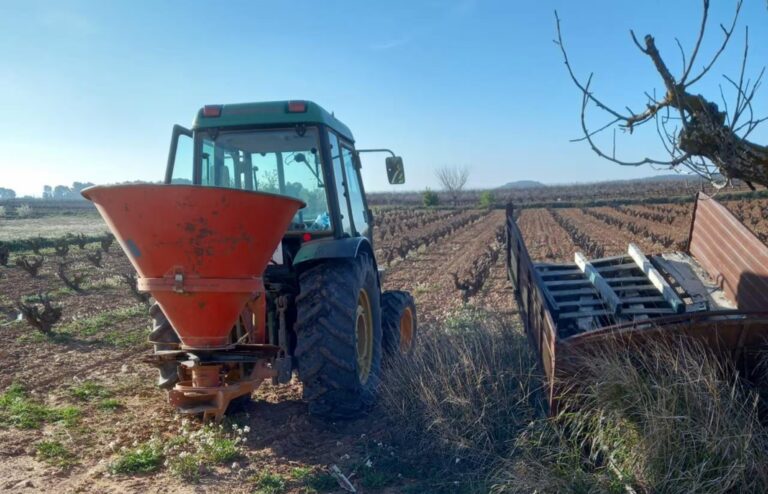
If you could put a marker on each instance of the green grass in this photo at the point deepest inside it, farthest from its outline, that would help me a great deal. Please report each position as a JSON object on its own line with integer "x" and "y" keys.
{"x": 321, "y": 482}
{"x": 145, "y": 458}
{"x": 195, "y": 451}
{"x": 102, "y": 322}
{"x": 89, "y": 391}
{"x": 269, "y": 483}
{"x": 18, "y": 410}
{"x": 109, "y": 404}
{"x": 105, "y": 328}
{"x": 54, "y": 453}
{"x": 185, "y": 466}
{"x": 221, "y": 450}
{"x": 375, "y": 479}
{"x": 301, "y": 473}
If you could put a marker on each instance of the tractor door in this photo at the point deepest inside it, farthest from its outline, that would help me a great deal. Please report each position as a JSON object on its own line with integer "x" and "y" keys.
{"x": 357, "y": 202}
{"x": 353, "y": 207}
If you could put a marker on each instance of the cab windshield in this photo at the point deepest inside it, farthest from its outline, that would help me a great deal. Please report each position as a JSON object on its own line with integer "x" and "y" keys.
{"x": 286, "y": 162}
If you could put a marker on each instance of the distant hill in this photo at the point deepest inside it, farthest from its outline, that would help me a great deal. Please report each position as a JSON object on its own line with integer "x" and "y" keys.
{"x": 522, "y": 184}
{"x": 671, "y": 177}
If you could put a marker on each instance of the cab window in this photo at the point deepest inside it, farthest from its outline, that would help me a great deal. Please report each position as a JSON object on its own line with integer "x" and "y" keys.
{"x": 340, "y": 181}
{"x": 286, "y": 162}
{"x": 355, "y": 190}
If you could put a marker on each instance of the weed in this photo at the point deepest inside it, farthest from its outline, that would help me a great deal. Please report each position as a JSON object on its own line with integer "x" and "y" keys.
{"x": 54, "y": 453}
{"x": 301, "y": 473}
{"x": 89, "y": 390}
{"x": 69, "y": 416}
{"x": 269, "y": 483}
{"x": 667, "y": 417}
{"x": 195, "y": 450}
{"x": 463, "y": 395}
{"x": 145, "y": 458}
{"x": 321, "y": 482}
{"x": 18, "y": 410}
{"x": 110, "y": 404}
{"x": 375, "y": 479}
{"x": 185, "y": 466}
{"x": 103, "y": 325}
{"x": 422, "y": 288}
{"x": 220, "y": 449}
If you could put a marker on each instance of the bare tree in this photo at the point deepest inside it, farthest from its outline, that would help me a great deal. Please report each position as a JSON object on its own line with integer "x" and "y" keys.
{"x": 453, "y": 179}
{"x": 696, "y": 134}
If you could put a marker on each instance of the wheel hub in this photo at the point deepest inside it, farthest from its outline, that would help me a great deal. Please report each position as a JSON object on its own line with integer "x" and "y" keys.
{"x": 406, "y": 330}
{"x": 364, "y": 336}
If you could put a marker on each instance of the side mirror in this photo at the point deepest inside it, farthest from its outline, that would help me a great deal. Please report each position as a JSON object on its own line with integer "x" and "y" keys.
{"x": 395, "y": 170}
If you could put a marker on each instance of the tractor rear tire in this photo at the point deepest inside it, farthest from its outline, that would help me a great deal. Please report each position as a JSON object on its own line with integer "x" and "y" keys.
{"x": 163, "y": 337}
{"x": 398, "y": 322}
{"x": 339, "y": 338}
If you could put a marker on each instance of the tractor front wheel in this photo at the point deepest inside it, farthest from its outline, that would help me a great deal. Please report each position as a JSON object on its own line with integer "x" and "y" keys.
{"x": 398, "y": 321}
{"x": 339, "y": 338}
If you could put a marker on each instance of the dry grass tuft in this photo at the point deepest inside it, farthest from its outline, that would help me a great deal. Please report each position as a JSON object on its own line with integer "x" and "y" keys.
{"x": 670, "y": 417}
{"x": 465, "y": 393}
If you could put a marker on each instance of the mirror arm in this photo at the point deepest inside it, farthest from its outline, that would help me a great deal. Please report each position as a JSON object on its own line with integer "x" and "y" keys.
{"x": 376, "y": 151}
{"x": 177, "y": 132}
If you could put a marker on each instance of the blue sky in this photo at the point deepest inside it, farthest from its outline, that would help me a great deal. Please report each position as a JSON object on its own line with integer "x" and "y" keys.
{"x": 89, "y": 90}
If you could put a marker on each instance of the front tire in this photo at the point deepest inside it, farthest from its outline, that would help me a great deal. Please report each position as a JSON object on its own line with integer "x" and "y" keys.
{"x": 398, "y": 322}
{"x": 339, "y": 337}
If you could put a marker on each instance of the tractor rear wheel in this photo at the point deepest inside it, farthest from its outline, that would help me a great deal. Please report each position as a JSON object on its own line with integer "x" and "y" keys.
{"x": 163, "y": 337}
{"x": 398, "y": 322}
{"x": 339, "y": 341}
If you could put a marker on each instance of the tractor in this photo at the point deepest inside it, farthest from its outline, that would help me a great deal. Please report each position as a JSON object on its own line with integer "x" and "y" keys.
{"x": 258, "y": 252}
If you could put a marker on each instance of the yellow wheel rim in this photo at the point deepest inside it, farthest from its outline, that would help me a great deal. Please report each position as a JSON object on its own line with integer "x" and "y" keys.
{"x": 364, "y": 333}
{"x": 406, "y": 330}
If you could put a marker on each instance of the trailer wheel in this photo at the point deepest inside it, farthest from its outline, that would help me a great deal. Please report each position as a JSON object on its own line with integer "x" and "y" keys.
{"x": 398, "y": 322}
{"x": 163, "y": 337}
{"x": 339, "y": 341}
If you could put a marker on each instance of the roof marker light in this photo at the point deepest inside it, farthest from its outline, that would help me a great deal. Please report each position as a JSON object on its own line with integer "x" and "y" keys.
{"x": 306, "y": 237}
{"x": 297, "y": 106}
{"x": 212, "y": 111}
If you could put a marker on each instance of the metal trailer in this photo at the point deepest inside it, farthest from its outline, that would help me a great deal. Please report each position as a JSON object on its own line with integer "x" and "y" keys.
{"x": 715, "y": 291}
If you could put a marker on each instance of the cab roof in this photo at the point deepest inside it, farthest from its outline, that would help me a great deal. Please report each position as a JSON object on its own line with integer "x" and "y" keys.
{"x": 268, "y": 113}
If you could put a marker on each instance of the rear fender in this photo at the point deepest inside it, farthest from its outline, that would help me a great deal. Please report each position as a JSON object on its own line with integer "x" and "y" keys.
{"x": 324, "y": 249}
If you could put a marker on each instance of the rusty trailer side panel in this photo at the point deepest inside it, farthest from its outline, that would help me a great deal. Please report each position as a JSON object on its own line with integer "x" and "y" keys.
{"x": 534, "y": 309}
{"x": 723, "y": 246}
{"x": 730, "y": 253}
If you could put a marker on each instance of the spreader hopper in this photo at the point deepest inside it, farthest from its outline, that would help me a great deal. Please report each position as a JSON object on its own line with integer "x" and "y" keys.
{"x": 200, "y": 251}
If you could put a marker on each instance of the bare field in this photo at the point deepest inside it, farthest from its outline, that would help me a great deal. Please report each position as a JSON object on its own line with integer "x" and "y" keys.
{"x": 51, "y": 226}
{"x": 76, "y": 402}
